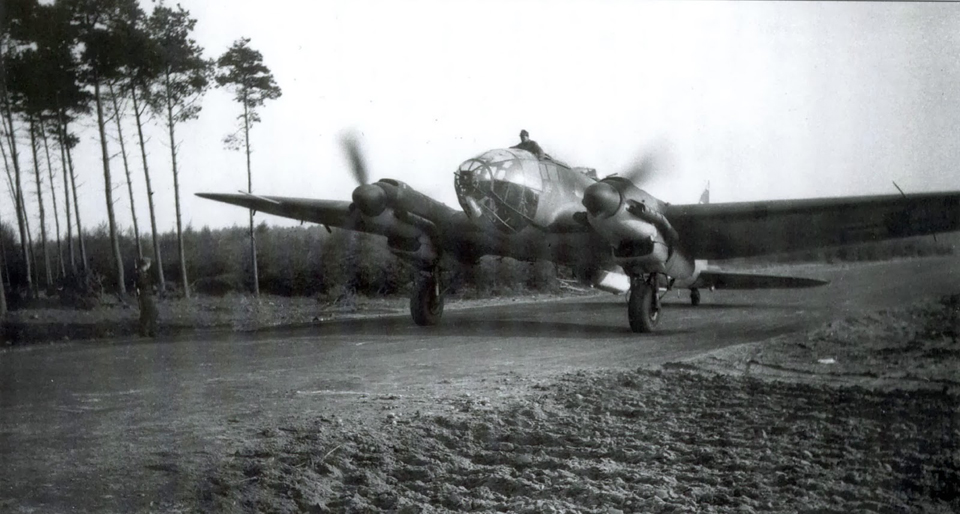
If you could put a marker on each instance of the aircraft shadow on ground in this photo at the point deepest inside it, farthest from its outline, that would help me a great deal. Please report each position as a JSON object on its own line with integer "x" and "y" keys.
{"x": 484, "y": 321}
{"x": 676, "y": 304}
{"x": 495, "y": 321}
{"x": 722, "y": 306}
{"x": 457, "y": 326}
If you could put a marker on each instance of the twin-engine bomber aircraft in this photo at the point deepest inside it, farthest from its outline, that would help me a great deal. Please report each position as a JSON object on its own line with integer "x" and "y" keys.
{"x": 529, "y": 206}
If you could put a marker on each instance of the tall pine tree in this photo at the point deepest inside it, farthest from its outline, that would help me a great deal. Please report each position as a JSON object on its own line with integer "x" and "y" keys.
{"x": 241, "y": 70}
{"x": 184, "y": 78}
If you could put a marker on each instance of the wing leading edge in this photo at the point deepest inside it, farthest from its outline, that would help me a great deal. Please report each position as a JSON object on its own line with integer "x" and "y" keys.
{"x": 325, "y": 212}
{"x": 723, "y": 231}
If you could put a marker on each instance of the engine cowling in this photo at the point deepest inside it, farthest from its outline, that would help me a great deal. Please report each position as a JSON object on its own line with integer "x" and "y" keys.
{"x": 373, "y": 199}
{"x": 632, "y": 221}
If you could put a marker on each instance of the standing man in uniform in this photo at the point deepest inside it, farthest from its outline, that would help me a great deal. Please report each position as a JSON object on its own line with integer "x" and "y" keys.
{"x": 148, "y": 305}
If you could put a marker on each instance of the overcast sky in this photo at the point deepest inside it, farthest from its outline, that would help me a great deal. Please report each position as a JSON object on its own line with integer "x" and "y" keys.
{"x": 764, "y": 100}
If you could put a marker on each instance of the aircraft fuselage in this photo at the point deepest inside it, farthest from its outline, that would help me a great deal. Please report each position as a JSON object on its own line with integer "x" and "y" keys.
{"x": 530, "y": 208}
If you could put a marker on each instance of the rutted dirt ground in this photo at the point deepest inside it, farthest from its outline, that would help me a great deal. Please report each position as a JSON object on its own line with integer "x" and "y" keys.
{"x": 858, "y": 415}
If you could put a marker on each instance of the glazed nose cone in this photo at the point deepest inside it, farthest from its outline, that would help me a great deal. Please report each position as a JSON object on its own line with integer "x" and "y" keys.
{"x": 601, "y": 200}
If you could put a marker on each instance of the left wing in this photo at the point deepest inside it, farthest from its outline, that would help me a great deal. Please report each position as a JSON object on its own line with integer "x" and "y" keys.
{"x": 728, "y": 230}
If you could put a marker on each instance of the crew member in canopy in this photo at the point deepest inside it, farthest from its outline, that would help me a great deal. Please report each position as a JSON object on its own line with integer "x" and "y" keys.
{"x": 529, "y": 145}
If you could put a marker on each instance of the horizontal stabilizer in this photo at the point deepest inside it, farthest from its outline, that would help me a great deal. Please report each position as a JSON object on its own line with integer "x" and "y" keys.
{"x": 726, "y": 280}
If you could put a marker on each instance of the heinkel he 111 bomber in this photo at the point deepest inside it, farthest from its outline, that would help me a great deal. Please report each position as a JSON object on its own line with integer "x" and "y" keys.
{"x": 521, "y": 203}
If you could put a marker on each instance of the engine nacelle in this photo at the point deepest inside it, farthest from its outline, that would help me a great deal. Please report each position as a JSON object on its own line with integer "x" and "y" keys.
{"x": 373, "y": 199}
{"x": 420, "y": 252}
{"x": 632, "y": 221}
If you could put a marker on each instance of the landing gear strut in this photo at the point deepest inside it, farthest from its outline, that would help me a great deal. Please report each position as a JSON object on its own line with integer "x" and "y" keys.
{"x": 643, "y": 307}
{"x": 426, "y": 302}
{"x": 694, "y": 297}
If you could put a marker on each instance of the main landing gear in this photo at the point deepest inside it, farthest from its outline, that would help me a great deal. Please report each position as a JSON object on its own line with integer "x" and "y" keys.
{"x": 643, "y": 307}
{"x": 426, "y": 302}
{"x": 694, "y": 297}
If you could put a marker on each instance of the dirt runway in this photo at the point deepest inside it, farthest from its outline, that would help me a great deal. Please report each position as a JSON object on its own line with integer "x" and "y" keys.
{"x": 126, "y": 425}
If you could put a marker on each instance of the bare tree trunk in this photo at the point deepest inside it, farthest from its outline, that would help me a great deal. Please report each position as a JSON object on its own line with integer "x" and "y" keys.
{"x": 3, "y": 249}
{"x": 66, "y": 196}
{"x": 158, "y": 264}
{"x": 35, "y": 279}
{"x": 53, "y": 194}
{"x": 3, "y": 289}
{"x": 76, "y": 206}
{"x": 108, "y": 188}
{"x": 16, "y": 201}
{"x": 43, "y": 222}
{"x": 126, "y": 169}
{"x": 6, "y": 262}
{"x": 253, "y": 238}
{"x": 25, "y": 249}
{"x": 176, "y": 192}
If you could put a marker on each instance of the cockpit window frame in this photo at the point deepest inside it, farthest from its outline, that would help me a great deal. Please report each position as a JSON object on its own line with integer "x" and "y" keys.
{"x": 509, "y": 201}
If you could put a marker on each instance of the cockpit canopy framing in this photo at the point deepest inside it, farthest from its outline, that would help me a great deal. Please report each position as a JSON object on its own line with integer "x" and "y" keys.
{"x": 502, "y": 187}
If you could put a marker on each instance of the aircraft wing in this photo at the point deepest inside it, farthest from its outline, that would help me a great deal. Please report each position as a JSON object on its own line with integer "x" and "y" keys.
{"x": 728, "y": 280}
{"x": 728, "y": 230}
{"x": 325, "y": 212}
{"x": 450, "y": 230}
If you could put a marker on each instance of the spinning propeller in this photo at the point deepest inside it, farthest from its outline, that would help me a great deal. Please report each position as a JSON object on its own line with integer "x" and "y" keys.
{"x": 603, "y": 199}
{"x": 357, "y": 165}
{"x": 608, "y": 197}
{"x": 372, "y": 199}
{"x": 369, "y": 198}
{"x": 648, "y": 166}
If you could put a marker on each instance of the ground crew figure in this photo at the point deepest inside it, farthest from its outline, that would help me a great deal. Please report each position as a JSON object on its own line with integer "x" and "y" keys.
{"x": 529, "y": 145}
{"x": 148, "y": 305}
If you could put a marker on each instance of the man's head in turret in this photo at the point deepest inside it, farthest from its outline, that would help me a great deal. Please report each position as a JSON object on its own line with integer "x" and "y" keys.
{"x": 524, "y": 136}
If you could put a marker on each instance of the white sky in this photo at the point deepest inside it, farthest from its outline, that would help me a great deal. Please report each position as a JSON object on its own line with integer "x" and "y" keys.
{"x": 764, "y": 100}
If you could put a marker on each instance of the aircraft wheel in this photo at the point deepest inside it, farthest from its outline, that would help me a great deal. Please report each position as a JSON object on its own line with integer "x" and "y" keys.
{"x": 643, "y": 308}
{"x": 426, "y": 304}
{"x": 694, "y": 297}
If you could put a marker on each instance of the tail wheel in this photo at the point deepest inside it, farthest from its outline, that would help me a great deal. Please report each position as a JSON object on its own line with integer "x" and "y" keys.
{"x": 426, "y": 303}
{"x": 694, "y": 297}
{"x": 643, "y": 307}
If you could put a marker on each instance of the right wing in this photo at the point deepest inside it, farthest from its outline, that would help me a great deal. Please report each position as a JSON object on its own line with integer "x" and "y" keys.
{"x": 334, "y": 213}
{"x": 447, "y": 229}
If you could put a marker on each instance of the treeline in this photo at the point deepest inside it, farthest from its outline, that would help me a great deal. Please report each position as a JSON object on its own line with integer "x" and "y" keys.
{"x": 293, "y": 261}
{"x": 103, "y": 63}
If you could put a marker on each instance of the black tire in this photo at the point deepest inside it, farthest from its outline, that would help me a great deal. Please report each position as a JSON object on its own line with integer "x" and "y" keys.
{"x": 694, "y": 297}
{"x": 642, "y": 309}
{"x": 426, "y": 306}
